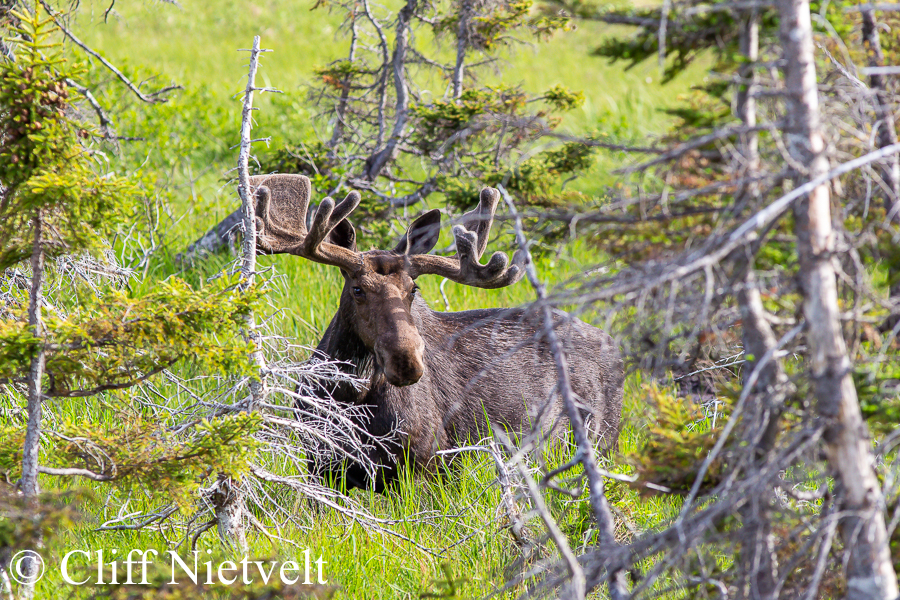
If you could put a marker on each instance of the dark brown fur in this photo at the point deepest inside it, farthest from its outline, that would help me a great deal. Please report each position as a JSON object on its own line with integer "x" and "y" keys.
{"x": 439, "y": 379}
{"x": 478, "y": 366}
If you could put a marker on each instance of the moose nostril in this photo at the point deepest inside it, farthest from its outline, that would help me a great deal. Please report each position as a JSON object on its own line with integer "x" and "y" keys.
{"x": 416, "y": 369}
{"x": 401, "y": 369}
{"x": 412, "y": 369}
{"x": 381, "y": 359}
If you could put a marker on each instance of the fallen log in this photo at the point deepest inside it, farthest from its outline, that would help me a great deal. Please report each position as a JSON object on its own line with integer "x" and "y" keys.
{"x": 215, "y": 240}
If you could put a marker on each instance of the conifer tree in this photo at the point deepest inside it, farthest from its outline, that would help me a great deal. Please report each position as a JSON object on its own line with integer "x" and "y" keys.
{"x": 404, "y": 120}
{"x": 57, "y": 203}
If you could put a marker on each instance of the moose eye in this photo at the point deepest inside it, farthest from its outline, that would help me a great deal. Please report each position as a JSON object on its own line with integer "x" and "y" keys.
{"x": 358, "y": 292}
{"x": 415, "y": 290}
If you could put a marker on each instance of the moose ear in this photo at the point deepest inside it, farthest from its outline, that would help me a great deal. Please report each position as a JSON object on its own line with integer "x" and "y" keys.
{"x": 422, "y": 234}
{"x": 343, "y": 235}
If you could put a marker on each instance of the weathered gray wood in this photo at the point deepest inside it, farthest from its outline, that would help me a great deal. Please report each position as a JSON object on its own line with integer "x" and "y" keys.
{"x": 758, "y": 562}
{"x": 30, "y": 453}
{"x": 28, "y": 483}
{"x": 884, "y": 116}
{"x": 227, "y": 495}
{"x": 248, "y": 217}
{"x": 213, "y": 241}
{"x": 870, "y": 572}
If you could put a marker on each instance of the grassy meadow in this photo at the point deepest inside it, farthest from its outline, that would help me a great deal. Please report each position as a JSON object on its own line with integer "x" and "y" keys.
{"x": 198, "y": 45}
{"x": 188, "y": 147}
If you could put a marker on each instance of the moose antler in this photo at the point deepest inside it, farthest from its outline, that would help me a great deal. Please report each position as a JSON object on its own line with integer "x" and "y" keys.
{"x": 471, "y": 241}
{"x": 281, "y": 205}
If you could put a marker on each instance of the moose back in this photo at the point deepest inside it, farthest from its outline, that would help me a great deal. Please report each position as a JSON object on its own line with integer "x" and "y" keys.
{"x": 435, "y": 380}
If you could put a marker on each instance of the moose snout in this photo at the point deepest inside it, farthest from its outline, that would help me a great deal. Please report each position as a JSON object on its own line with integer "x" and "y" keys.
{"x": 401, "y": 366}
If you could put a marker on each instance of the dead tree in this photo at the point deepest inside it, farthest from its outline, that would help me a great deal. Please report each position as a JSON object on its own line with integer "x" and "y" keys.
{"x": 28, "y": 483}
{"x": 870, "y": 571}
{"x": 227, "y": 495}
{"x": 884, "y": 115}
{"x": 758, "y": 340}
{"x": 397, "y": 140}
{"x": 712, "y": 298}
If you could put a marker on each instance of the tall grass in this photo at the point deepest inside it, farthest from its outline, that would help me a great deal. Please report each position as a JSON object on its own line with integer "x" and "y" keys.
{"x": 197, "y": 46}
{"x": 453, "y": 525}
{"x": 455, "y": 515}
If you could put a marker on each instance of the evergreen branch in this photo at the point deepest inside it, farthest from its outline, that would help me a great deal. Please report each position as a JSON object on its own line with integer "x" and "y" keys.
{"x": 84, "y": 393}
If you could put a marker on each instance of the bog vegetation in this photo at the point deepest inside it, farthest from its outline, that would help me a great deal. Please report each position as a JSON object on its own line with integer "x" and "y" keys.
{"x": 715, "y": 183}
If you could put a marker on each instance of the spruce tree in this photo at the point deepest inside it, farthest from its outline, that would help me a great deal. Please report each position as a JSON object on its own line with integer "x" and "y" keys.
{"x": 58, "y": 206}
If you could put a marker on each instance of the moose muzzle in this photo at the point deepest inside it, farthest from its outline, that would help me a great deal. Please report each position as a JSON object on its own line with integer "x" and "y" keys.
{"x": 401, "y": 357}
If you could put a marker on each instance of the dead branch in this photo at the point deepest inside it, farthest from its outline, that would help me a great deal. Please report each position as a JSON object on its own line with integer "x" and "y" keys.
{"x": 585, "y": 449}
{"x": 149, "y": 99}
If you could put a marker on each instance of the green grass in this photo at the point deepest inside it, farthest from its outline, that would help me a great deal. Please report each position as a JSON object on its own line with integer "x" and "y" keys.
{"x": 455, "y": 516}
{"x": 197, "y": 47}
{"x": 464, "y": 528}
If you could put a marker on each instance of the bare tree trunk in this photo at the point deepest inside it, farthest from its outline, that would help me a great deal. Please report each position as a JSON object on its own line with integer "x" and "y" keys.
{"x": 746, "y": 101}
{"x": 758, "y": 339}
{"x": 227, "y": 495}
{"x": 462, "y": 44}
{"x": 337, "y": 133}
{"x": 378, "y": 160}
{"x": 884, "y": 117}
{"x": 870, "y": 573}
{"x": 228, "y": 499}
{"x": 248, "y": 216}
{"x": 886, "y": 128}
{"x": 29, "y": 482}
{"x": 757, "y": 335}
{"x": 757, "y": 560}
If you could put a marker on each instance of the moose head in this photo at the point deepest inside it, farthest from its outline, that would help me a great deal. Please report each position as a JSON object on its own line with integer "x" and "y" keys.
{"x": 380, "y": 285}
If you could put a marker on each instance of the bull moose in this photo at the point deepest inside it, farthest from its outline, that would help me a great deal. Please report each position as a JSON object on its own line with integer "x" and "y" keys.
{"x": 436, "y": 380}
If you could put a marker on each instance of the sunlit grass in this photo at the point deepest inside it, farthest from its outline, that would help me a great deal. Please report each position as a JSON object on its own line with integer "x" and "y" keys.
{"x": 455, "y": 515}
{"x": 197, "y": 46}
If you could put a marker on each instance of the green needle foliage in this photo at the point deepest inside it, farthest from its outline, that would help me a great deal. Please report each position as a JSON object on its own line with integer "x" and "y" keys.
{"x": 98, "y": 336}
{"x": 116, "y": 339}
{"x": 132, "y": 451}
{"x": 679, "y": 437}
{"x": 44, "y": 167}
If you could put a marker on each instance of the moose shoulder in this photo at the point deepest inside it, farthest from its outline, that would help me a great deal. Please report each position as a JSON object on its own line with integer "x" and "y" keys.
{"x": 439, "y": 379}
